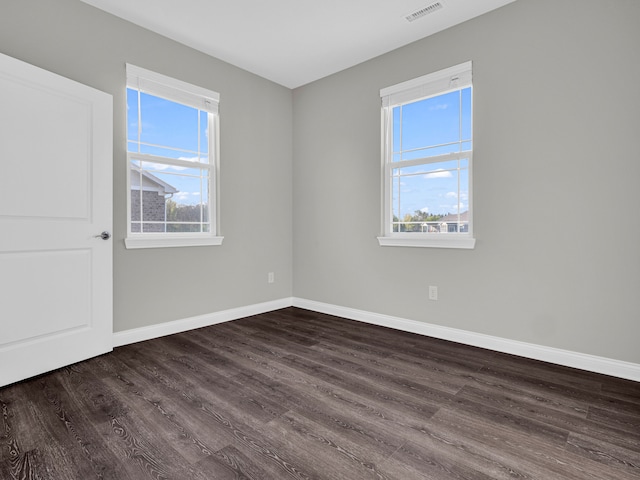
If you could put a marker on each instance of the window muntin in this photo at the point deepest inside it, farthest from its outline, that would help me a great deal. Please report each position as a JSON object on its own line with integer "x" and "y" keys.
{"x": 427, "y": 158}
{"x": 172, "y": 155}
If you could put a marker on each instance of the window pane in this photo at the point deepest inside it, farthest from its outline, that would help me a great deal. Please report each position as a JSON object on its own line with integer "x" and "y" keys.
{"x": 425, "y": 196}
{"x": 466, "y": 115}
{"x": 396, "y": 129}
{"x": 164, "y": 196}
{"x": 185, "y": 228}
{"x": 432, "y": 121}
{"x": 186, "y": 184}
{"x": 132, "y": 119}
{"x": 168, "y": 124}
{"x": 464, "y": 191}
{"x": 204, "y": 133}
{"x": 136, "y": 203}
{"x": 153, "y": 227}
{"x": 427, "y": 193}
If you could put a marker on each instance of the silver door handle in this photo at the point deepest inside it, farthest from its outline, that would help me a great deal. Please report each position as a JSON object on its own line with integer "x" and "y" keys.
{"x": 104, "y": 235}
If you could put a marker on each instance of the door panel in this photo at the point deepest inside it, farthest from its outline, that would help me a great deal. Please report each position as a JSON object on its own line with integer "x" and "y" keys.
{"x": 36, "y": 275}
{"x": 50, "y": 139}
{"x": 55, "y": 199}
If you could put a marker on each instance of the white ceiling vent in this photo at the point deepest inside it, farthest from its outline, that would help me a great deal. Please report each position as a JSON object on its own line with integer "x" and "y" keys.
{"x": 423, "y": 11}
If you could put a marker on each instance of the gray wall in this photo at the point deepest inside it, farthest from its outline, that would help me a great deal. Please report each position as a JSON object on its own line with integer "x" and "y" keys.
{"x": 557, "y": 259}
{"x": 555, "y": 180}
{"x": 152, "y": 286}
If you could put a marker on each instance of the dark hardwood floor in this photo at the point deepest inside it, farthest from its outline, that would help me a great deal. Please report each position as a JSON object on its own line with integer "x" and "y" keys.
{"x": 302, "y": 395}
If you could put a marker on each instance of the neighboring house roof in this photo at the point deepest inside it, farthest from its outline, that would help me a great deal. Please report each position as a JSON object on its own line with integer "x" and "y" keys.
{"x": 453, "y": 217}
{"x": 150, "y": 182}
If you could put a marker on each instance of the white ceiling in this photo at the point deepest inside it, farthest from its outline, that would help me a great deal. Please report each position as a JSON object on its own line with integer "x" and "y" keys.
{"x": 294, "y": 42}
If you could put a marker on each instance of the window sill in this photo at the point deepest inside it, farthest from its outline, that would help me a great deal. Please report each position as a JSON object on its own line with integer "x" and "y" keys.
{"x": 429, "y": 242}
{"x": 167, "y": 241}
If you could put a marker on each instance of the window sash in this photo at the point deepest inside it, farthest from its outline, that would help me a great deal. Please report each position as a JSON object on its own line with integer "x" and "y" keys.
{"x": 148, "y": 158}
{"x": 427, "y": 160}
{"x": 388, "y": 200}
{"x": 205, "y": 200}
{"x": 139, "y": 144}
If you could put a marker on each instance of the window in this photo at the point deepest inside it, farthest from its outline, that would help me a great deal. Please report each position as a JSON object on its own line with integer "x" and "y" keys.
{"x": 427, "y": 158}
{"x": 172, "y": 155}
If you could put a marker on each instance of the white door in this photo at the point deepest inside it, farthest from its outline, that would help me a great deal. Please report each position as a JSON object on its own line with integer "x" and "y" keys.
{"x": 55, "y": 201}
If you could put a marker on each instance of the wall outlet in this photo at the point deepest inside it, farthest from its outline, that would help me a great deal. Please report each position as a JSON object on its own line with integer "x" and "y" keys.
{"x": 271, "y": 277}
{"x": 433, "y": 292}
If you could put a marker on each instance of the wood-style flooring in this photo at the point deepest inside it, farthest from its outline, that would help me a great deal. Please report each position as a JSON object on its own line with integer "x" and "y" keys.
{"x": 294, "y": 394}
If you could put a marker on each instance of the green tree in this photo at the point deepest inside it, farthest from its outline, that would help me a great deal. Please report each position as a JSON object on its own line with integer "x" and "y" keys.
{"x": 184, "y": 213}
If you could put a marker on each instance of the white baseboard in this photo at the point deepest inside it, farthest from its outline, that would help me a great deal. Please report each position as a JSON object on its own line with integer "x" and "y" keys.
{"x": 567, "y": 358}
{"x": 169, "y": 328}
{"x": 592, "y": 363}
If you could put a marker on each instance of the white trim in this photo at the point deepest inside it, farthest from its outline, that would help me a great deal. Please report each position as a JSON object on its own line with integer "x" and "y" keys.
{"x": 583, "y": 361}
{"x": 172, "y": 89}
{"x": 436, "y": 83}
{"x": 135, "y": 335}
{"x": 214, "y": 175}
{"x": 161, "y": 240}
{"x": 419, "y": 240}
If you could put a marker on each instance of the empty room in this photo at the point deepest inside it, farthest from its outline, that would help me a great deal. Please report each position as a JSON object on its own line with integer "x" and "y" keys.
{"x": 350, "y": 240}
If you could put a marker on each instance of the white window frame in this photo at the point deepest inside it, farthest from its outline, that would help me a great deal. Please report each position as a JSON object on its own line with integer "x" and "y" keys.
{"x": 184, "y": 93}
{"x": 431, "y": 85}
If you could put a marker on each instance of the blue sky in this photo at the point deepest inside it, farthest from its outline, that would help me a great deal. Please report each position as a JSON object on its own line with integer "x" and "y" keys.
{"x": 427, "y": 128}
{"x": 171, "y": 130}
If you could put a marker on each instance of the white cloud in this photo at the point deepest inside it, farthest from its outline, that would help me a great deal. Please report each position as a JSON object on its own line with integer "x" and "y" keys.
{"x": 463, "y": 196}
{"x": 161, "y": 167}
{"x": 441, "y": 106}
{"x": 180, "y": 195}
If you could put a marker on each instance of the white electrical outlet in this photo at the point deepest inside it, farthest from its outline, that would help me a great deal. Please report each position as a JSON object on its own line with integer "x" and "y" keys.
{"x": 433, "y": 292}
{"x": 271, "y": 277}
